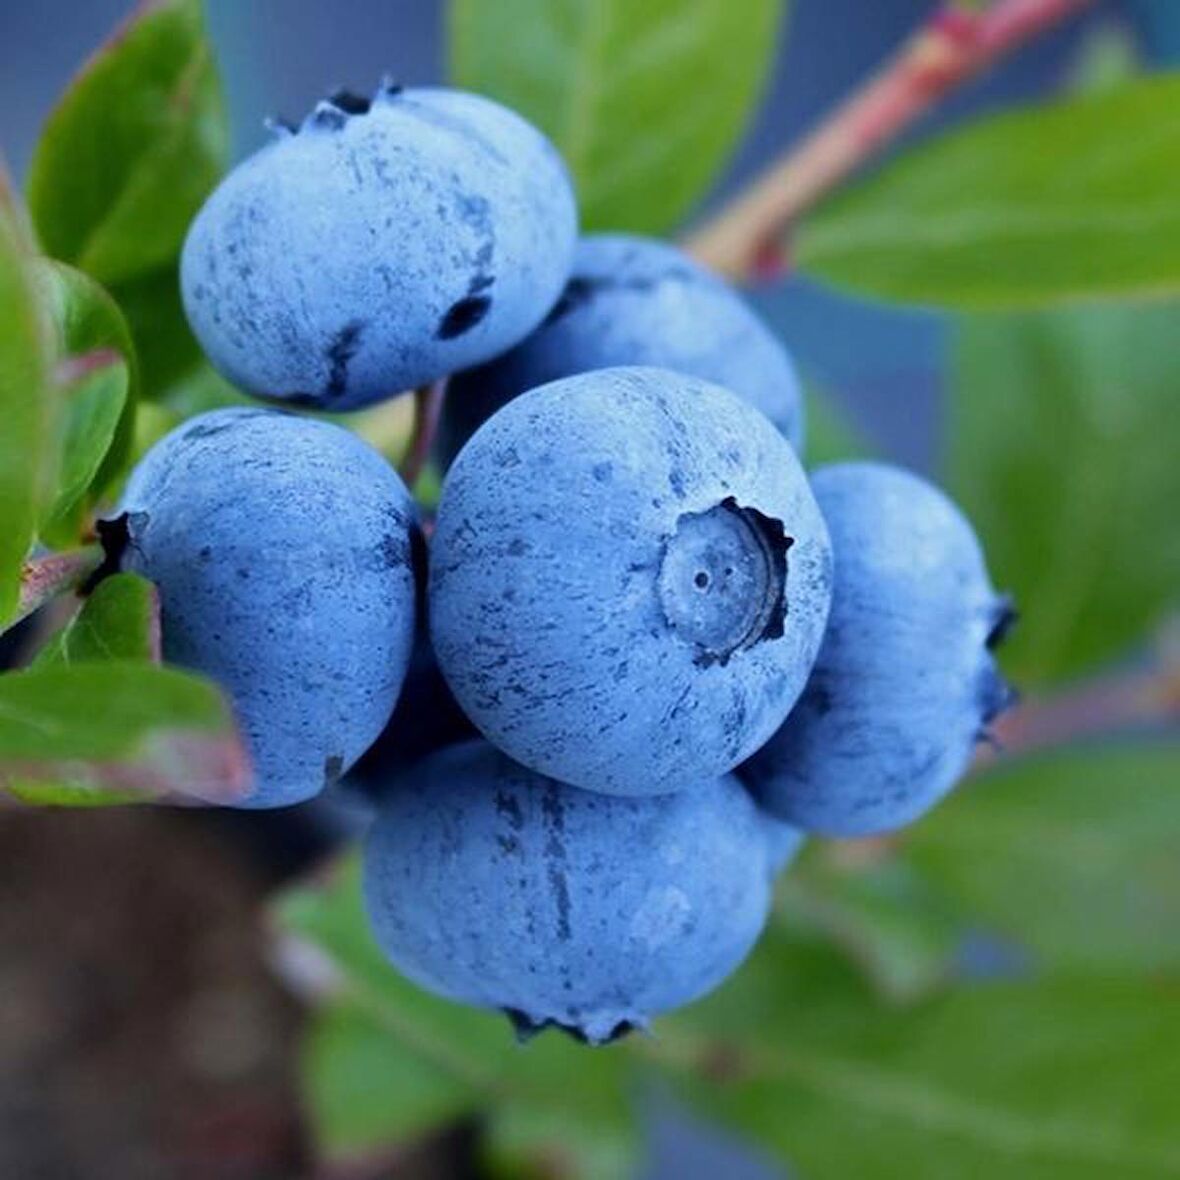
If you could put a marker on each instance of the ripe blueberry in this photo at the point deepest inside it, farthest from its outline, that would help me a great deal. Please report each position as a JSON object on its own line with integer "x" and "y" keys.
{"x": 494, "y": 886}
{"x": 636, "y": 301}
{"x": 384, "y": 244}
{"x": 282, "y": 550}
{"x": 905, "y": 683}
{"x": 629, "y": 580}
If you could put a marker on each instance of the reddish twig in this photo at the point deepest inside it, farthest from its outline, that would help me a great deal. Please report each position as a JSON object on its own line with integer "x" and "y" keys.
{"x": 1114, "y": 705}
{"x": 745, "y": 239}
{"x": 428, "y": 404}
{"x": 44, "y": 578}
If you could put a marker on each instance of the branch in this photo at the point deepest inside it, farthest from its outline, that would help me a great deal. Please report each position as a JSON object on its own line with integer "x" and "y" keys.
{"x": 428, "y": 404}
{"x": 744, "y": 240}
{"x": 1120, "y": 704}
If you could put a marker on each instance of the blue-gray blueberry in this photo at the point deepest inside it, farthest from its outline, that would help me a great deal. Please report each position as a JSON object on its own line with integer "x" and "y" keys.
{"x": 636, "y": 301}
{"x": 905, "y": 684}
{"x": 383, "y": 244}
{"x": 283, "y": 550}
{"x": 629, "y": 580}
{"x": 494, "y": 886}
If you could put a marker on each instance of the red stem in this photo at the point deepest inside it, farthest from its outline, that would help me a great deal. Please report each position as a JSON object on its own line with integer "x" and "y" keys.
{"x": 951, "y": 47}
{"x": 428, "y": 404}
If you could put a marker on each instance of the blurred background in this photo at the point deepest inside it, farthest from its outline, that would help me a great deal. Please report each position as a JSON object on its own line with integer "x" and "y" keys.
{"x": 144, "y": 1028}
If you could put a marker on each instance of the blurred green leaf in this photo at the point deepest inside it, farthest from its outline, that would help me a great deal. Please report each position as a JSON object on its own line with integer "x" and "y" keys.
{"x": 1063, "y": 430}
{"x": 832, "y": 436}
{"x": 167, "y": 350}
{"x": 1075, "y": 855}
{"x": 645, "y": 101}
{"x": 124, "y": 725}
{"x": 27, "y": 404}
{"x": 100, "y": 407}
{"x": 1054, "y": 1079}
{"x": 119, "y": 621}
{"x": 132, "y": 149}
{"x": 95, "y": 400}
{"x": 1077, "y": 199}
{"x": 548, "y": 1102}
{"x": 890, "y": 919}
{"x": 365, "y": 1091}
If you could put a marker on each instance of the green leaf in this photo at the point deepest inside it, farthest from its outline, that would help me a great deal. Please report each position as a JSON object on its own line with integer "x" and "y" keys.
{"x": 549, "y": 1101}
{"x": 1063, "y": 452}
{"x": 100, "y": 417}
{"x": 888, "y": 918}
{"x": 1054, "y": 1079}
{"x": 167, "y": 350}
{"x": 366, "y": 1091}
{"x": 1078, "y": 199}
{"x": 122, "y": 725}
{"x": 1075, "y": 856}
{"x": 831, "y": 434}
{"x": 119, "y": 621}
{"x": 27, "y": 404}
{"x": 132, "y": 149}
{"x": 645, "y": 101}
{"x": 95, "y": 402}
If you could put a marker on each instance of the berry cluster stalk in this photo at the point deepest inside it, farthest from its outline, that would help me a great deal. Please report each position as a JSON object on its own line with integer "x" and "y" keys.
{"x": 745, "y": 240}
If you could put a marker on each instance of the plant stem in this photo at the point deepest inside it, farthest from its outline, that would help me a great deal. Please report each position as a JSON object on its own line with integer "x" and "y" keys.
{"x": 44, "y": 578}
{"x": 428, "y": 404}
{"x": 1148, "y": 699}
{"x": 954, "y": 45}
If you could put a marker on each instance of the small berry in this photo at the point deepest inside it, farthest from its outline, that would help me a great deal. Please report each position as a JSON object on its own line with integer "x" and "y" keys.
{"x": 905, "y": 684}
{"x": 282, "y": 550}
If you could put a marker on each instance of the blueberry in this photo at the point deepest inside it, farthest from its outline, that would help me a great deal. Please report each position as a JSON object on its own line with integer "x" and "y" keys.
{"x": 494, "y": 886}
{"x": 905, "y": 684}
{"x": 426, "y": 719}
{"x": 383, "y": 245}
{"x": 282, "y": 549}
{"x": 629, "y": 580}
{"x": 636, "y": 301}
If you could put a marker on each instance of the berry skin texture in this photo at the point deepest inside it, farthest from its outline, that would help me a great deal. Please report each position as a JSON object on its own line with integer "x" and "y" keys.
{"x": 637, "y": 301}
{"x": 383, "y": 245}
{"x": 497, "y": 887}
{"x": 283, "y": 552}
{"x": 905, "y": 684}
{"x": 629, "y": 580}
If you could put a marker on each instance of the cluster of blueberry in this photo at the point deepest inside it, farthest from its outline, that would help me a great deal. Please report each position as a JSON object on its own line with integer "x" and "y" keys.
{"x": 630, "y": 589}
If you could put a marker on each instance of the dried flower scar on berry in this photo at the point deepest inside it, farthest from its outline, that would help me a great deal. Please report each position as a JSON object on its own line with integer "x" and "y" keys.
{"x": 905, "y": 683}
{"x": 381, "y": 245}
{"x": 629, "y": 580}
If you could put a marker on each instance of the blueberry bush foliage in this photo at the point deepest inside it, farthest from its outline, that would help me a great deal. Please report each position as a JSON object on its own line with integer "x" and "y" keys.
{"x": 997, "y": 989}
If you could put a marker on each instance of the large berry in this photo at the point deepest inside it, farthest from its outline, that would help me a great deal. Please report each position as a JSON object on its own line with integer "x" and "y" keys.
{"x": 381, "y": 246}
{"x": 637, "y": 301}
{"x": 495, "y": 886}
{"x": 282, "y": 549}
{"x": 905, "y": 684}
{"x": 629, "y": 580}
